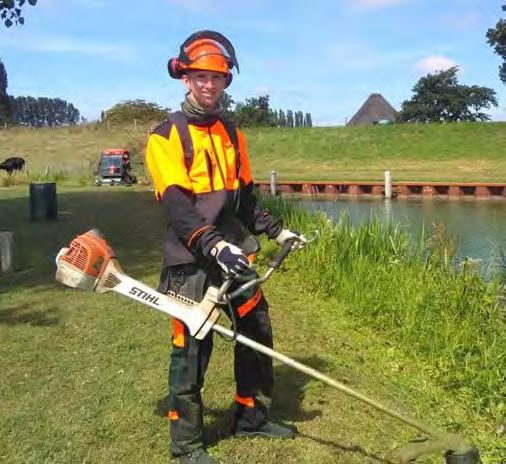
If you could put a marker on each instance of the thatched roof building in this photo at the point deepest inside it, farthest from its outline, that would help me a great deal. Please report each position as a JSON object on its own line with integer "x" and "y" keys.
{"x": 374, "y": 110}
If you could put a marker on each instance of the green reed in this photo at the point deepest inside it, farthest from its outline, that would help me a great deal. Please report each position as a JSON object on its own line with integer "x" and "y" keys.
{"x": 410, "y": 288}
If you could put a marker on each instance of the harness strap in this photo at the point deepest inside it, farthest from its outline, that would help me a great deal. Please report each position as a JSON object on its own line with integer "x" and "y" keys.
{"x": 181, "y": 122}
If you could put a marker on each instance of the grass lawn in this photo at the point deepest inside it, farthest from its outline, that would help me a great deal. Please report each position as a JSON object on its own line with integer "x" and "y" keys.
{"x": 471, "y": 152}
{"x": 84, "y": 375}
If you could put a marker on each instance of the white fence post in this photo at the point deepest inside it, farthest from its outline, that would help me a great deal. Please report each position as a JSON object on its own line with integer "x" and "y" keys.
{"x": 388, "y": 185}
{"x": 273, "y": 183}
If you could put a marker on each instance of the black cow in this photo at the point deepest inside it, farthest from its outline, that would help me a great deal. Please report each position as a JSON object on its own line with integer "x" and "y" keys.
{"x": 13, "y": 164}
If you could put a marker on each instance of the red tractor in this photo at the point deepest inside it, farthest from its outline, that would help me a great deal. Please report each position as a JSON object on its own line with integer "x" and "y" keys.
{"x": 114, "y": 168}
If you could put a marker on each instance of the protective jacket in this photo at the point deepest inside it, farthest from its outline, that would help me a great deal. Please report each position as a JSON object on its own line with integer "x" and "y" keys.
{"x": 208, "y": 196}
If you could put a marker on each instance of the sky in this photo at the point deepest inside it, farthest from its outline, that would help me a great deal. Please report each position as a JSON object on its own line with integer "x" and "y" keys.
{"x": 324, "y": 57}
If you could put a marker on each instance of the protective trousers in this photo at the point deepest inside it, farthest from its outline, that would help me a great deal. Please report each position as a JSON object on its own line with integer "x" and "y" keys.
{"x": 190, "y": 358}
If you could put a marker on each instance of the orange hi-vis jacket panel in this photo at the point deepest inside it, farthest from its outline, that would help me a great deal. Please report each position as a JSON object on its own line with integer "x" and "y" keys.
{"x": 214, "y": 164}
{"x": 209, "y": 200}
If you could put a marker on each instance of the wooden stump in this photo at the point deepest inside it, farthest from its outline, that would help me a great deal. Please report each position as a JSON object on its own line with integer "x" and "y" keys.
{"x": 6, "y": 255}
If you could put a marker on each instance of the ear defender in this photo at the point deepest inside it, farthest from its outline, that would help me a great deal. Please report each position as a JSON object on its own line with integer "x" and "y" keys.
{"x": 174, "y": 68}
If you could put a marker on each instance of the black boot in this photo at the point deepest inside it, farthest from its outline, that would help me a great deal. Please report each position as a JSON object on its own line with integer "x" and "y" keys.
{"x": 199, "y": 456}
{"x": 268, "y": 430}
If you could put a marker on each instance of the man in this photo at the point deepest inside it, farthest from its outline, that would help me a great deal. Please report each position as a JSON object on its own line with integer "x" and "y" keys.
{"x": 201, "y": 174}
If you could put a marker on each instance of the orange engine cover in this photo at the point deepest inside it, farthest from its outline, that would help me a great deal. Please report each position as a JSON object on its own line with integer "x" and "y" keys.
{"x": 90, "y": 253}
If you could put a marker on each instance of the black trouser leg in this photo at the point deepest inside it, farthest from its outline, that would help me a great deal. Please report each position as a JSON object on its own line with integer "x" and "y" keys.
{"x": 253, "y": 370}
{"x": 189, "y": 361}
{"x": 186, "y": 378}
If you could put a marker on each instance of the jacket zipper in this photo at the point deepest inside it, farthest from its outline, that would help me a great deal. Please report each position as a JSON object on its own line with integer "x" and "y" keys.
{"x": 210, "y": 172}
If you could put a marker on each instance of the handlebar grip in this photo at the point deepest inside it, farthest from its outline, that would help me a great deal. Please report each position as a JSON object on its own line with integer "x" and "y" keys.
{"x": 280, "y": 257}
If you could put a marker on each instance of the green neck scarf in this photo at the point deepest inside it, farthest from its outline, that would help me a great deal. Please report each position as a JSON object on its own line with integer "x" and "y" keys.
{"x": 197, "y": 113}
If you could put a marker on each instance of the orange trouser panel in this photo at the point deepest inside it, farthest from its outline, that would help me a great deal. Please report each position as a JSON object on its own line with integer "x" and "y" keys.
{"x": 249, "y": 402}
{"x": 173, "y": 415}
{"x": 245, "y": 308}
{"x": 178, "y": 333}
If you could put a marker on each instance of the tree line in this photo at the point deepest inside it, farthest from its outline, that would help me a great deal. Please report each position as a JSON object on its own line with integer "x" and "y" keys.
{"x": 256, "y": 111}
{"x": 42, "y": 112}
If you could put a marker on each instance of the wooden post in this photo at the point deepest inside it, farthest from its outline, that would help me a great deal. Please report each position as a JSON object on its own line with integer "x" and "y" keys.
{"x": 388, "y": 185}
{"x": 273, "y": 183}
{"x": 6, "y": 246}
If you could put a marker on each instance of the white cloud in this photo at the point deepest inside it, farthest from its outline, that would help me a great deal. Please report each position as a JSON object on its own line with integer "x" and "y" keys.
{"x": 463, "y": 21}
{"x": 66, "y": 44}
{"x": 360, "y": 56}
{"x": 218, "y": 6}
{"x": 195, "y": 6}
{"x": 434, "y": 63}
{"x": 55, "y": 5}
{"x": 262, "y": 90}
{"x": 374, "y": 4}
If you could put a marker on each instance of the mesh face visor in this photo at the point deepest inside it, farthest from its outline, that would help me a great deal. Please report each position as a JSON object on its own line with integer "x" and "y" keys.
{"x": 207, "y": 43}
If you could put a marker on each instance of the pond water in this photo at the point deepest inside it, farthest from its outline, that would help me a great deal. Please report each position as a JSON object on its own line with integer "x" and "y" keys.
{"x": 477, "y": 227}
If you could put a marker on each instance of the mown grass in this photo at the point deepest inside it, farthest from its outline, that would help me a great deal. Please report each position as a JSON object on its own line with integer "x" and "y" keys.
{"x": 413, "y": 152}
{"x": 84, "y": 376}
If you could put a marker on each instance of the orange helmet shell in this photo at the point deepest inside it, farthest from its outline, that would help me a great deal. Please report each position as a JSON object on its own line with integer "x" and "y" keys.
{"x": 207, "y": 55}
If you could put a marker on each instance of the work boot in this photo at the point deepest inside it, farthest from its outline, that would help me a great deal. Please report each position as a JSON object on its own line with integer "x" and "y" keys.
{"x": 199, "y": 456}
{"x": 268, "y": 430}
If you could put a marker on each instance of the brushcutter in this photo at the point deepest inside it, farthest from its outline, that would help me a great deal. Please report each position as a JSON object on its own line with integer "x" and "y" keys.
{"x": 90, "y": 264}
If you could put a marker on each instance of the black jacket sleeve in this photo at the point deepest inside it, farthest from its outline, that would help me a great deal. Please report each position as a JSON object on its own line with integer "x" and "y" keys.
{"x": 186, "y": 221}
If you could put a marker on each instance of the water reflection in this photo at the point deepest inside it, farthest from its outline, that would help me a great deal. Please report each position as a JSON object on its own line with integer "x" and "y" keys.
{"x": 477, "y": 227}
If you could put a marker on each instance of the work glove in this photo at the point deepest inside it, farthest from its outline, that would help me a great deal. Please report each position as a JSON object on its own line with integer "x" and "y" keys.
{"x": 230, "y": 258}
{"x": 298, "y": 240}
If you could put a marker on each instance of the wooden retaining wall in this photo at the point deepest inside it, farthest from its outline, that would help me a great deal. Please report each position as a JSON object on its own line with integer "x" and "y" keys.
{"x": 400, "y": 189}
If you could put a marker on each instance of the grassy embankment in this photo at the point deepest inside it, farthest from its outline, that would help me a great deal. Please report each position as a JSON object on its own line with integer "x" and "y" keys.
{"x": 84, "y": 375}
{"x": 452, "y": 152}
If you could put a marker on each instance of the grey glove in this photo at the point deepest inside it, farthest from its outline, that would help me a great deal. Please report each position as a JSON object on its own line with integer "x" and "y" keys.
{"x": 230, "y": 258}
{"x": 298, "y": 239}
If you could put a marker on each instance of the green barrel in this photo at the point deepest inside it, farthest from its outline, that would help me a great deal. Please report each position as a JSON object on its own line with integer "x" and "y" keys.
{"x": 43, "y": 204}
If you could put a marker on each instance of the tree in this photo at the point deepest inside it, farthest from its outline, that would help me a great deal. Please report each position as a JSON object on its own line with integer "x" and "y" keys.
{"x": 255, "y": 112}
{"x": 300, "y": 117}
{"x": 10, "y": 11}
{"x": 282, "y": 119}
{"x": 308, "y": 122}
{"x": 439, "y": 97}
{"x": 135, "y": 110}
{"x": 496, "y": 38}
{"x": 5, "y": 110}
{"x": 228, "y": 104}
{"x": 275, "y": 118}
{"x": 289, "y": 118}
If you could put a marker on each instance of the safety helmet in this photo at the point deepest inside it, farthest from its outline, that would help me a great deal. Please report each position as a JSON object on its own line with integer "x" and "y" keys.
{"x": 204, "y": 50}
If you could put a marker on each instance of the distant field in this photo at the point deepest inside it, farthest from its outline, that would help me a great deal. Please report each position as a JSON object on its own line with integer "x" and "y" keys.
{"x": 450, "y": 152}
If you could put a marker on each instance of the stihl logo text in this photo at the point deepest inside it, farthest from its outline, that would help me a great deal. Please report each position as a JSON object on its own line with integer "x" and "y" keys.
{"x": 144, "y": 295}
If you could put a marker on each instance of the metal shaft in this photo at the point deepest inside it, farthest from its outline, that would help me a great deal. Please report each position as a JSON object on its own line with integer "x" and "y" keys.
{"x": 333, "y": 383}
